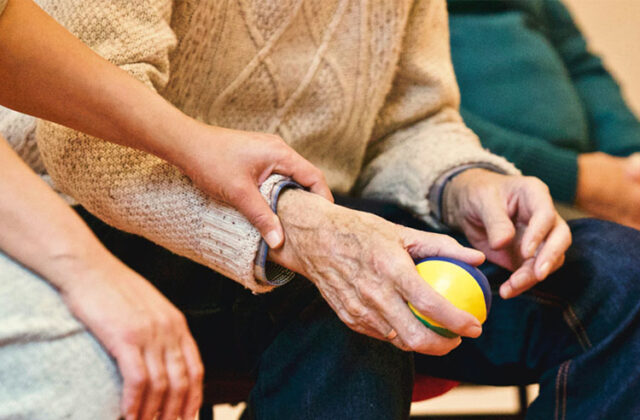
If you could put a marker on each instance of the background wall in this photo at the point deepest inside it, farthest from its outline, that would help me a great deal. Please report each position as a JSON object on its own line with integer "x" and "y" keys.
{"x": 613, "y": 30}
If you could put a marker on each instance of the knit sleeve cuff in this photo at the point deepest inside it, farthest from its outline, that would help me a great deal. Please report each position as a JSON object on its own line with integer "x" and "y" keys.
{"x": 408, "y": 164}
{"x": 269, "y": 272}
{"x": 232, "y": 246}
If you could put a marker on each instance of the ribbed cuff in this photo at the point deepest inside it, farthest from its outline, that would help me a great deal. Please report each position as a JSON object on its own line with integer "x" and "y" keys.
{"x": 229, "y": 244}
{"x": 266, "y": 271}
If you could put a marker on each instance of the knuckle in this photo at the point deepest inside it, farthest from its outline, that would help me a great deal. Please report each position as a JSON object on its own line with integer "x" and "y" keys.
{"x": 181, "y": 385}
{"x": 179, "y": 320}
{"x": 138, "y": 330}
{"x": 164, "y": 322}
{"x": 197, "y": 375}
{"x": 139, "y": 379}
{"x": 371, "y": 295}
{"x": 354, "y": 308}
{"x": 159, "y": 384}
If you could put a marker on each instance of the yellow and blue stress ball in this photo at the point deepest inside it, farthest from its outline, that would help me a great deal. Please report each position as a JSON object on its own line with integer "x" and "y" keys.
{"x": 462, "y": 284}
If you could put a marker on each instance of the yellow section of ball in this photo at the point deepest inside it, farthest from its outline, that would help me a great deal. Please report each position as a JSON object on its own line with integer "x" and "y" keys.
{"x": 456, "y": 285}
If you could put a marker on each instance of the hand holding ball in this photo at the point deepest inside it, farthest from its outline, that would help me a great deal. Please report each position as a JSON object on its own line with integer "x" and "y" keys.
{"x": 462, "y": 284}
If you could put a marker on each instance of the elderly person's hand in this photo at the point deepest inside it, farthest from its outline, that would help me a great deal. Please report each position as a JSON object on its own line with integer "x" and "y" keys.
{"x": 512, "y": 220}
{"x": 363, "y": 267}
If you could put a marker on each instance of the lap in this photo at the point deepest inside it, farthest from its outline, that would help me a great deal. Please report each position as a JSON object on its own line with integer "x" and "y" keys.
{"x": 50, "y": 365}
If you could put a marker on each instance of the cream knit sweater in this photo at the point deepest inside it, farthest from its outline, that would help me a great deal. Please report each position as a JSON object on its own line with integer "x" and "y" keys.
{"x": 364, "y": 89}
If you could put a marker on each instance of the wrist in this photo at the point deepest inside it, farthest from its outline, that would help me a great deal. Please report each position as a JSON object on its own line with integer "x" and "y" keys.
{"x": 455, "y": 189}
{"x": 302, "y": 214}
{"x": 71, "y": 268}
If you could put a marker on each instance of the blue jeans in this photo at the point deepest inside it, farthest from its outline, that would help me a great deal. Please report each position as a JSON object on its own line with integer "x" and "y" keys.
{"x": 576, "y": 333}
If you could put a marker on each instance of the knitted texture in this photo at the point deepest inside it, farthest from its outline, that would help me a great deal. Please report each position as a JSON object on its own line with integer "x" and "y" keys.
{"x": 363, "y": 89}
{"x": 51, "y": 367}
{"x": 20, "y": 131}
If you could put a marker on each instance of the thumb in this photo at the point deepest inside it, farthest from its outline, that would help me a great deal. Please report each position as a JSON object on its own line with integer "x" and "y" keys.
{"x": 255, "y": 208}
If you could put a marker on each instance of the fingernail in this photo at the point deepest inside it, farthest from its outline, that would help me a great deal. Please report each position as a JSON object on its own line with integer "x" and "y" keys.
{"x": 544, "y": 270}
{"x": 273, "y": 239}
{"x": 475, "y": 330}
{"x": 505, "y": 291}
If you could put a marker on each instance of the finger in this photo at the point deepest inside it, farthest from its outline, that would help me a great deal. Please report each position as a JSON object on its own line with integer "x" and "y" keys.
{"x": 497, "y": 224}
{"x": 174, "y": 400}
{"x": 435, "y": 306}
{"x": 195, "y": 369}
{"x": 135, "y": 380}
{"x": 543, "y": 219}
{"x": 247, "y": 200}
{"x": 304, "y": 173}
{"x": 553, "y": 249}
{"x": 521, "y": 280}
{"x": 158, "y": 384}
{"x": 412, "y": 334}
{"x": 352, "y": 314}
{"x": 423, "y": 244}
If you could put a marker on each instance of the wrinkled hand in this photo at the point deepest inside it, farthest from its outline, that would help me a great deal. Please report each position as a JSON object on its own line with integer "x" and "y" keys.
{"x": 229, "y": 165}
{"x": 363, "y": 267}
{"x": 512, "y": 220}
{"x": 149, "y": 338}
{"x": 609, "y": 187}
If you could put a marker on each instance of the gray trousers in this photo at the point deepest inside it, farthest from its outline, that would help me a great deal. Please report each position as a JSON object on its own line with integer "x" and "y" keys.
{"x": 51, "y": 367}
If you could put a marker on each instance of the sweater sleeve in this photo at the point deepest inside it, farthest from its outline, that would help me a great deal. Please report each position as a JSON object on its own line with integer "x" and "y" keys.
{"x": 129, "y": 189}
{"x": 614, "y": 129}
{"x": 556, "y": 166}
{"x": 419, "y": 134}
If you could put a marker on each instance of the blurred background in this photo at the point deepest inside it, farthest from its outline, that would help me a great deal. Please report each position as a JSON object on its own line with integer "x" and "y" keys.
{"x": 613, "y": 30}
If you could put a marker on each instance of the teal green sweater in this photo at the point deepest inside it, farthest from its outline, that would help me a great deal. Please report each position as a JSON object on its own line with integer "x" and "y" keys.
{"x": 533, "y": 93}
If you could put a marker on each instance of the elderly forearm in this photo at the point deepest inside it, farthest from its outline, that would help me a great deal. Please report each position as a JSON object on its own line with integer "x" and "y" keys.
{"x": 46, "y": 72}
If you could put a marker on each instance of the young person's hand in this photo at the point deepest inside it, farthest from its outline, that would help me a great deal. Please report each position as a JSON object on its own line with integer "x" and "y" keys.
{"x": 229, "y": 165}
{"x": 148, "y": 337}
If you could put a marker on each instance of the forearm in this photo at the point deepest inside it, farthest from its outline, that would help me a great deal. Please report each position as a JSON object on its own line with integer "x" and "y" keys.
{"x": 40, "y": 231}
{"x": 45, "y": 71}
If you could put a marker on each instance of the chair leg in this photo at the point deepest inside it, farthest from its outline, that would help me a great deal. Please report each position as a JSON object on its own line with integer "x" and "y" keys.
{"x": 206, "y": 412}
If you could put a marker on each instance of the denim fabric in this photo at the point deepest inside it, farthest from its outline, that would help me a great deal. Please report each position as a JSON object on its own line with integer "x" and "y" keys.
{"x": 576, "y": 333}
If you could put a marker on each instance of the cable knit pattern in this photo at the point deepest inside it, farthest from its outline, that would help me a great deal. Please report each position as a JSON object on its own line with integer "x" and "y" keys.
{"x": 363, "y": 89}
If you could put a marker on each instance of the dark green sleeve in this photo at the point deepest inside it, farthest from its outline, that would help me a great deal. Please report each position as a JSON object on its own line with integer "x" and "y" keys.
{"x": 614, "y": 129}
{"x": 555, "y": 166}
